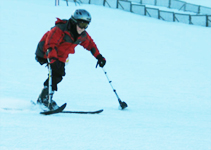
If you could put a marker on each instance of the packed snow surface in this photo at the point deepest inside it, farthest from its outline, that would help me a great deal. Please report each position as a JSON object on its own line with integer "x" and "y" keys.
{"x": 162, "y": 70}
{"x": 206, "y": 3}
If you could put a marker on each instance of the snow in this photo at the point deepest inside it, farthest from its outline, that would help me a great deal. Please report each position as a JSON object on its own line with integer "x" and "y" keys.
{"x": 160, "y": 69}
{"x": 206, "y": 3}
{"x": 170, "y": 10}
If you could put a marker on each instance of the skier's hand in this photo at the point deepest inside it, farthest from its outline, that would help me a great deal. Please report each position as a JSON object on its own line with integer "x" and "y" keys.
{"x": 52, "y": 54}
{"x": 58, "y": 67}
{"x": 101, "y": 61}
{"x": 40, "y": 60}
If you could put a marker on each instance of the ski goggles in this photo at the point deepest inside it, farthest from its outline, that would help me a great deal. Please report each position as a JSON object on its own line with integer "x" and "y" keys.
{"x": 82, "y": 24}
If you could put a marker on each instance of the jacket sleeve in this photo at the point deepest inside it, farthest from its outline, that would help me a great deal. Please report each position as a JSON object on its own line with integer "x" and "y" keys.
{"x": 53, "y": 39}
{"x": 90, "y": 45}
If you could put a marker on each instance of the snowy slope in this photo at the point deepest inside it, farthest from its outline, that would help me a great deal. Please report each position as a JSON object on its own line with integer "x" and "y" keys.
{"x": 161, "y": 69}
{"x": 206, "y": 3}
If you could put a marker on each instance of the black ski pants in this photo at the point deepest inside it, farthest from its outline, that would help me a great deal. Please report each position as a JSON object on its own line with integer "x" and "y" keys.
{"x": 58, "y": 71}
{"x": 57, "y": 76}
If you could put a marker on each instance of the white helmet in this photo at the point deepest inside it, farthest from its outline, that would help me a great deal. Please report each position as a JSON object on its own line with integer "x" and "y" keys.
{"x": 81, "y": 14}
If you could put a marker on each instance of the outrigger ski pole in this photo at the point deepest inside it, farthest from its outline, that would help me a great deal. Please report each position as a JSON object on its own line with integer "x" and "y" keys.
{"x": 50, "y": 91}
{"x": 122, "y": 104}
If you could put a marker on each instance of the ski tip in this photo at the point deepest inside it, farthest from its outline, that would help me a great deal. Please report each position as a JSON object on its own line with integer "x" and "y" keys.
{"x": 98, "y": 111}
{"x": 101, "y": 110}
{"x": 64, "y": 105}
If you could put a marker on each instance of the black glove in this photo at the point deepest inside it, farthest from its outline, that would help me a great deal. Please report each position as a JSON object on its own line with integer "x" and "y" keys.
{"x": 41, "y": 60}
{"x": 101, "y": 61}
{"x": 58, "y": 67}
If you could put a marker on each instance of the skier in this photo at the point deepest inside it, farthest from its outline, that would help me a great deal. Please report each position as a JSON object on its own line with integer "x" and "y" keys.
{"x": 58, "y": 43}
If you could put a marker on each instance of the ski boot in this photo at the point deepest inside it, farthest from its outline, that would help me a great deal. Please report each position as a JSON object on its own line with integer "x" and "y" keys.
{"x": 43, "y": 100}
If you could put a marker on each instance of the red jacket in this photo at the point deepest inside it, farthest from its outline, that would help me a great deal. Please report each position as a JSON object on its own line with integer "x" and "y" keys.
{"x": 61, "y": 40}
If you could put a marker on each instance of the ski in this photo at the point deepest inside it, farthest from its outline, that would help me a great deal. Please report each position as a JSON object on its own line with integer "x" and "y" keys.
{"x": 83, "y": 112}
{"x": 73, "y": 112}
{"x": 58, "y": 110}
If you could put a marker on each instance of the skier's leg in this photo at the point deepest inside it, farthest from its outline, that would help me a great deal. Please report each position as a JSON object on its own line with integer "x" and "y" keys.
{"x": 56, "y": 78}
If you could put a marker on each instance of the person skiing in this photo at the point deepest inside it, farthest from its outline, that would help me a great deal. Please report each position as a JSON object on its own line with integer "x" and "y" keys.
{"x": 58, "y": 43}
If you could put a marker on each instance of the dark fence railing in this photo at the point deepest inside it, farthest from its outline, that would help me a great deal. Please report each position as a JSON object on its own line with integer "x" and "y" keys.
{"x": 187, "y": 13}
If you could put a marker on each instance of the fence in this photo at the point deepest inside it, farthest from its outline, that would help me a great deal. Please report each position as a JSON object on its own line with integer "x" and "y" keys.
{"x": 198, "y": 15}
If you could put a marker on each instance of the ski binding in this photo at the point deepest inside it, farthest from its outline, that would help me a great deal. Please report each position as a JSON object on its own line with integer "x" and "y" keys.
{"x": 58, "y": 110}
